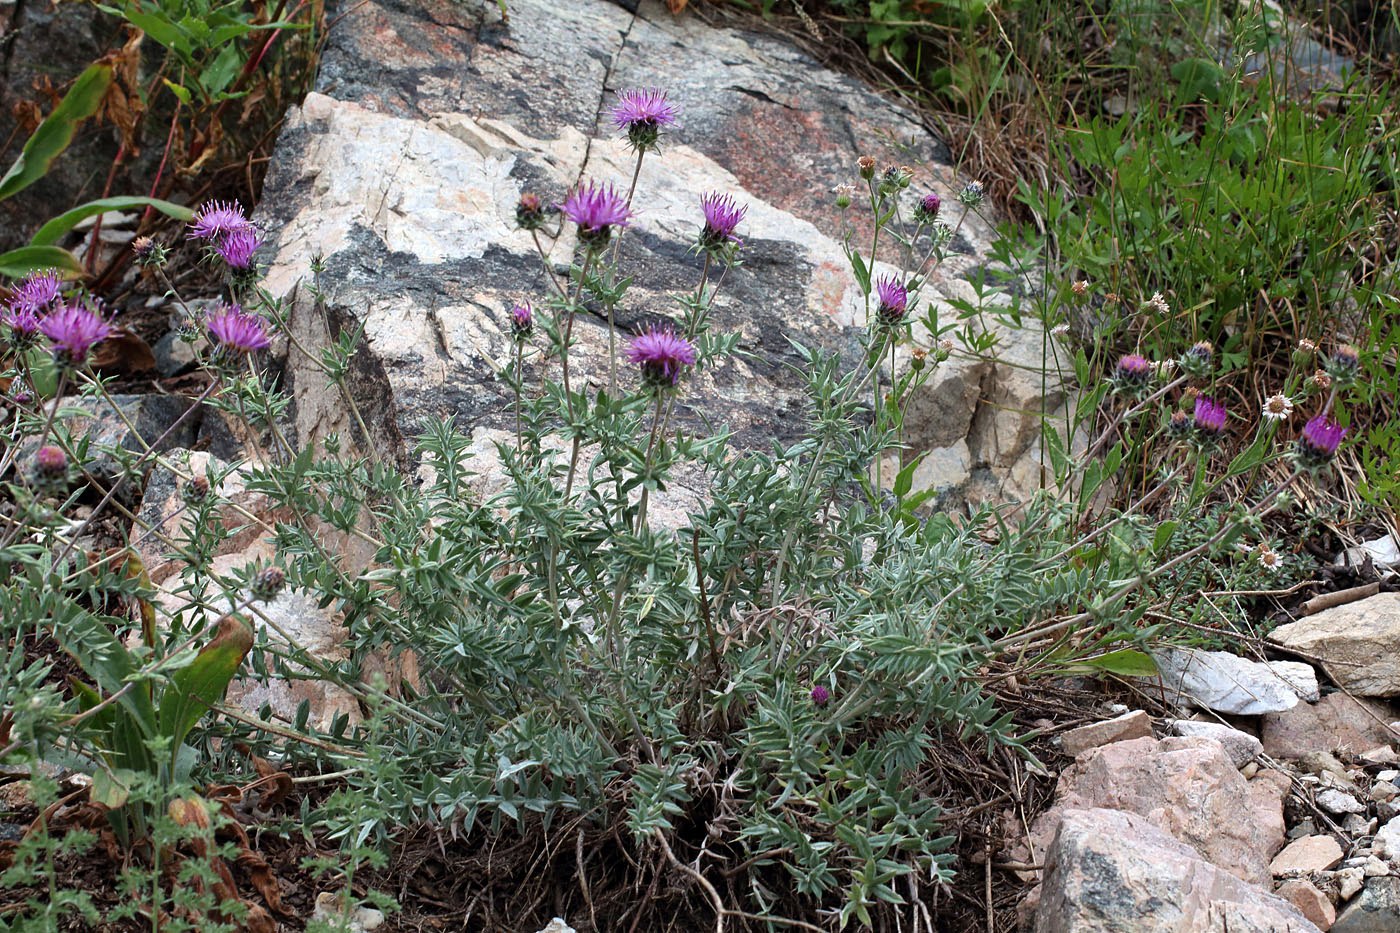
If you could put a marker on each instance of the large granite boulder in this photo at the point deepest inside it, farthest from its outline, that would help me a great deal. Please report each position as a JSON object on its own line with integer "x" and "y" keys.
{"x": 403, "y": 170}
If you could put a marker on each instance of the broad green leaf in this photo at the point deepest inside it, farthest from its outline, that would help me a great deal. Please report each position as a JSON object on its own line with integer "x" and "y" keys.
{"x": 862, "y": 274}
{"x": 111, "y": 788}
{"x": 56, "y": 132}
{"x": 51, "y": 231}
{"x": 1127, "y": 662}
{"x": 203, "y": 683}
{"x": 106, "y": 660}
{"x": 18, "y": 263}
{"x": 1163, "y": 536}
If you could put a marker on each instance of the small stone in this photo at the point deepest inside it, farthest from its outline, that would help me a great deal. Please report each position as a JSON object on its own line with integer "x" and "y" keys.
{"x": 1337, "y": 801}
{"x": 1376, "y": 910}
{"x": 1357, "y": 825}
{"x": 1250, "y": 770}
{"x": 1388, "y": 809}
{"x": 1134, "y": 725}
{"x": 1349, "y": 881}
{"x": 557, "y": 925}
{"x": 1380, "y": 755}
{"x": 1227, "y": 683}
{"x": 1386, "y": 845}
{"x": 1323, "y": 762}
{"x": 1310, "y": 853}
{"x": 1359, "y": 641}
{"x": 1389, "y": 774}
{"x": 1382, "y": 551}
{"x": 1242, "y": 747}
{"x": 1373, "y": 866}
{"x": 1383, "y": 790}
{"x": 1311, "y": 902}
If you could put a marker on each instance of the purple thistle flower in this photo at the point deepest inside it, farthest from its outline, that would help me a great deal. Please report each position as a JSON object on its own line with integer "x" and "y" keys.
{"x": 216, "y": 219}
{"x": 894, "y": 300}
{"x": 596, "y": 209}
{"x": 722, "y": 216}
{"x": 237, "y": 248}
{"x": 642, "y": 113}
{"x": 23, "y": 323}
{"x": 38, "y": 291}
{"x": 1343, "y": 365}
{"x": 660, "y": 354}
{"x": 1318, "y": 443}
{"x": 1133, "y": 371}
{"x": 926, "y": 210}
{"x": 50, "y": 462}
{"x": 1210, "y": 417}
{"x": 820, "y": 696}
{"x": 236, "y": 331}
{"x": 522, "y": 320}
{"x": 74, "y": 330}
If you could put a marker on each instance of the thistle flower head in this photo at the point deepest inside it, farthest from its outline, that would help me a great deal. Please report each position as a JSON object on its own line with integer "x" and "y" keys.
{"x": 1060, "y": 331}
{"x": 1080, "y": 287}
{"x": 820, "y": 695}
{"x": 267, "y": 583}
{"x": 1180, "y": 424}
{"x": 972, "y": 194}
{"x": 1306, "y": 346}
{"x": 1132, "y": 372}
{"x": 866, "y": 165}
{"x": 1318, "y": 443}
{"x": 522, "y": 320}
{"x": 1210, "y": 417}
{"x": 660, "y": 355}
{"x": 23, "y": 324}
{"x": 596, "y": 209}
{"x": 216, "y": 219}
{"x": 722, "y": 216}
{"x": 894, "y": 300}
{"x": 1343, "y": 364}
{"x": 926, "y": 209}
{"x": 50, "y": 461}
{"x": 529, "y": 212}
{"x": 236, "y": 332}
{"x": 38, "y": 291}
{"x": 148, "y": 251}
{"x": 237, "y": 247}
{"x": 1277, "y": 407}
{"x": 1198, "y": 360}
{"x": 844, "y": 193}
{"x": 74, "y": 330}
{"x": 642, "y": 112}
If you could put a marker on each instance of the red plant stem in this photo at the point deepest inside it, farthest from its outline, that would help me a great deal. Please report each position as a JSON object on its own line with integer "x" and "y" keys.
{"x": 91, "y": 259}
{"x": 164, "y": 157}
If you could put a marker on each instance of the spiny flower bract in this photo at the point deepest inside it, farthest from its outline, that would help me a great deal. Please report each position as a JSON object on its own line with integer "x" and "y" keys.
{"x": 642, "y": 112}
{"x": 894, "y": 300}
{"x": 596, "y": 209}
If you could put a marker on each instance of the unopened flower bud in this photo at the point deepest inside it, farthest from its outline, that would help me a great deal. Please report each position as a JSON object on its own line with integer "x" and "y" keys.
{"x": 50, "y": 466}
{"x": 972, "y": 194}
{"x": 1322, "y": 380}
{"x": 1343, "y": 365}
{"x": 844, "y": 193}
{"x": 917, "y": 358}
{"x": 529, "y": 212}
{"x": 866, "y": 164}
{"x": 1199, "y": 360}
{"x": 820, "y": 696}
{"x": 268, "y": 583}
{"x": 196, "y": 490}
{"x": 927, "y": 208}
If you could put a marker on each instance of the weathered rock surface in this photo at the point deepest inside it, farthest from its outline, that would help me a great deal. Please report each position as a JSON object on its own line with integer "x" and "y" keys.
{"x": 130, "y": 425}
{"x": 1240, "y": 746}
{"x": 1336, "y": 723}
{"x": 1133, "y": 725}
{"x": 294, "y": 617}
{"x": 403, "y": 171}
{"x": 1375, "y": 910}
{"x": 1109, "y": 872}
{"x": 1228, "y": 683}
{"x": 1310, "y": 853}
{"x": 1382, "y": 552}
{"x": 1359, "y": 642}
{"x": 1189, "y": 787}
{"x": 1311, "y": 902}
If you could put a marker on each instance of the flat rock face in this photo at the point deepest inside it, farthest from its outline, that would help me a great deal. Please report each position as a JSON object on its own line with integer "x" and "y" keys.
{"x": 1360, "y": 643}
{"x": 430, "y": 120}
{"x": 1336, "y": 723}
{"x": 1228, "y": 683}
{"x": 1189, "y": 787}
{"x": 1108, "y": 872}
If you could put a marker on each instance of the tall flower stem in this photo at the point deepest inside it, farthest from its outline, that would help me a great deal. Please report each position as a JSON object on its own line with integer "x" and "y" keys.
{"x": 646, "y": 463}
{"x": 519, "y": 381}
{"x": 612, "y": 277}
{"x": 548, "y": 270}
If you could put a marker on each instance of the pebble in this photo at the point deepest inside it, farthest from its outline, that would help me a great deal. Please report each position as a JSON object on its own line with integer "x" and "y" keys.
{"x": 1337, "y": 801}
{"x": 1310, "y": 853}
{"x": 1349, "y": 881}
{"x": 1374, "y": 866}
{"x": 1382, "y": 755}
{"x": 1387, "y": 775}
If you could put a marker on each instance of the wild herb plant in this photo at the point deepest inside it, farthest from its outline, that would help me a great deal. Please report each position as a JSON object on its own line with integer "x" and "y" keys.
{"x": 766, "y": 680}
